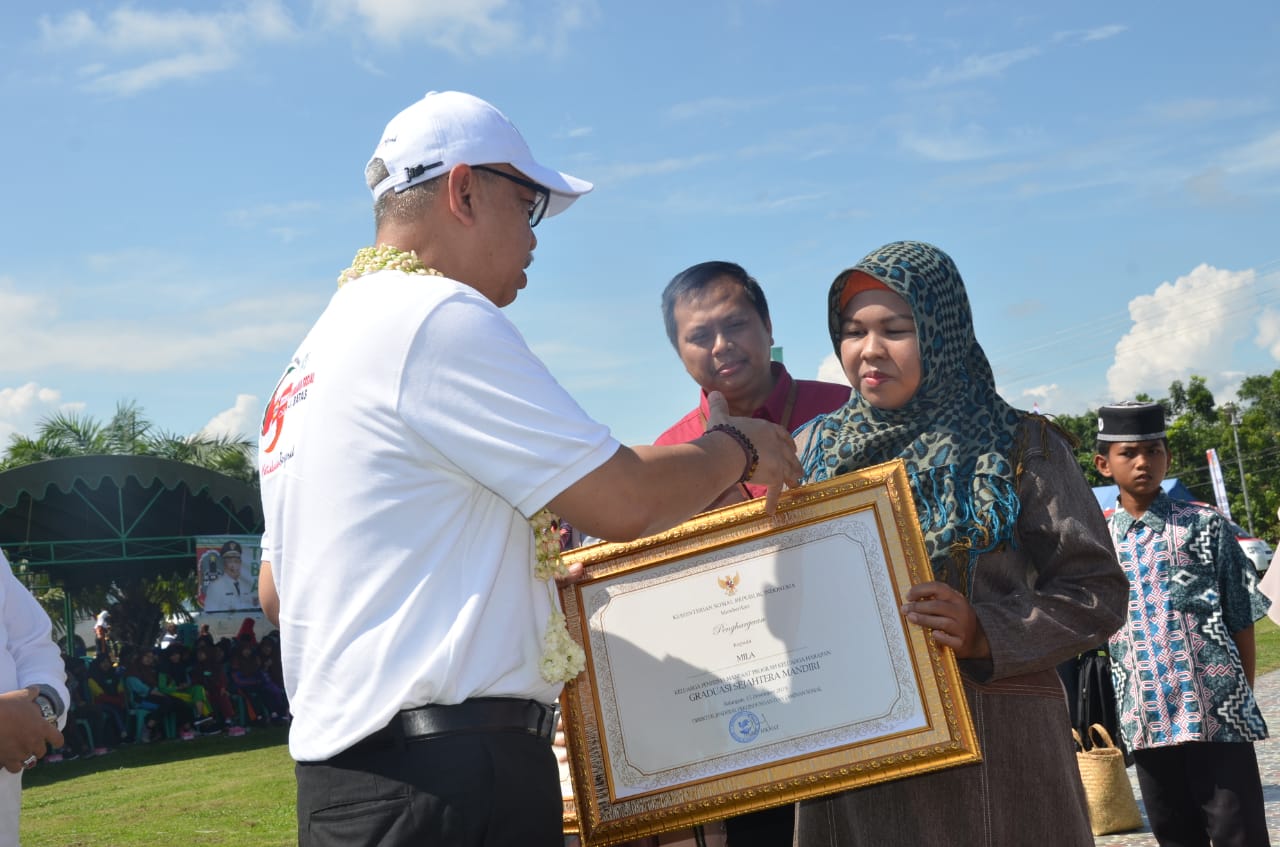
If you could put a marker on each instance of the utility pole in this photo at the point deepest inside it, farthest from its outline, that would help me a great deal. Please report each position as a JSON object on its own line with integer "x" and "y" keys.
{"x": 1234, "y": 412}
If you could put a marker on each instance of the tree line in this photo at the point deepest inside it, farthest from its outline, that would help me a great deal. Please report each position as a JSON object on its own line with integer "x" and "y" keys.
{"x": 1196, "y": 422}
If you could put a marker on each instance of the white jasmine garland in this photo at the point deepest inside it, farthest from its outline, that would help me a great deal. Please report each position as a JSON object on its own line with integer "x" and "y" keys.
{"x": 384, "y": 257}
{"x": 562, "y": 659}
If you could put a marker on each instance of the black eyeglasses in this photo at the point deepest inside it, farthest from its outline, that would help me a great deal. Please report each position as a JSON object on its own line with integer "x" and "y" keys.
{"x": 542, "y": 193}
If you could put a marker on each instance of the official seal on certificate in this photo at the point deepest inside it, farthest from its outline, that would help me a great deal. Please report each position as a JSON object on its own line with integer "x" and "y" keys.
{"x": 744, "y": 727}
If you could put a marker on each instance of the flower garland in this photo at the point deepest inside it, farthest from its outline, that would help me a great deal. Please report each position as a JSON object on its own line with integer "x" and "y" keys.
{"x": 562, "y": 658}
{"x": 384, "y": 257}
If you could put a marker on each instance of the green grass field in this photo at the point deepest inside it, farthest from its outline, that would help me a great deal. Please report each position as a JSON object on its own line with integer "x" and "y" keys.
{"x": 216, "y": 791}
{"x": 1267, "y": 638}
{"x": 211, "y": 791}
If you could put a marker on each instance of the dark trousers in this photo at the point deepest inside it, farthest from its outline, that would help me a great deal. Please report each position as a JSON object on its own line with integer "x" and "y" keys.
{"x": 767, "y": 828}
{"x": 1202, "y": 791}
{"x": 460, "y": 790}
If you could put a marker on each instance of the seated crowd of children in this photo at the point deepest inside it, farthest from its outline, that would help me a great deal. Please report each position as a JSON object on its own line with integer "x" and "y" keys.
{"x": 143, "y": 694}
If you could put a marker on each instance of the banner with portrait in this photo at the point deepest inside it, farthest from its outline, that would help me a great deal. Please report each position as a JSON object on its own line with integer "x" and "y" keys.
{"x": 227, "y": 572}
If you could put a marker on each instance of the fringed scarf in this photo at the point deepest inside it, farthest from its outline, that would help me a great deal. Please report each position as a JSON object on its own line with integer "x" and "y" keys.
{"x": 956, "y": 434}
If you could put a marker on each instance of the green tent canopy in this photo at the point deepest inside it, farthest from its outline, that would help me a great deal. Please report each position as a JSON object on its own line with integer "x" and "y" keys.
{"x": 89, "y": 520}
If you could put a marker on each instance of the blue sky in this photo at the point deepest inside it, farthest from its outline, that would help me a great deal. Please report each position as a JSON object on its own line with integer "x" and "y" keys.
{"x": 183, "y": 183}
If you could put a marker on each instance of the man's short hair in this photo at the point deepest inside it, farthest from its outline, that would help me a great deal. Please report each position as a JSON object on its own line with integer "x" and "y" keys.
{"x": 400, "y": 206}
{"x": 694, "y": 279}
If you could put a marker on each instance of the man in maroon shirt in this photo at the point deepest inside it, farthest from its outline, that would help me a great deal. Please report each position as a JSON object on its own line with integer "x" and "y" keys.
{"x": 718, "y": 320}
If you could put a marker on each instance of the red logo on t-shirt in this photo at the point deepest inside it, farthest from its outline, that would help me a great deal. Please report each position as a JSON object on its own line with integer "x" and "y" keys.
{"x": 286, "y": 395}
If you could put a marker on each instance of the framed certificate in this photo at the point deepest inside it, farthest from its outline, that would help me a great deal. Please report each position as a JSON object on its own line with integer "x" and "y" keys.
{"x": 741, "y": 661}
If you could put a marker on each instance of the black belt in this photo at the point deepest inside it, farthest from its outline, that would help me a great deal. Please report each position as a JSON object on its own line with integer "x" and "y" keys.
{"x": 479, "y": 714}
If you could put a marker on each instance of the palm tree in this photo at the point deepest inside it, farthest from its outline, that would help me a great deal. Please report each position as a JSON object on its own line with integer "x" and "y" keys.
{"x": 139, "y": 603}
{"x": 129, "y": 433}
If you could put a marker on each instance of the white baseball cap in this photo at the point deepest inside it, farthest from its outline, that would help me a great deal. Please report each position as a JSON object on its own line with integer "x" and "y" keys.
{"x": 447, "y": 128}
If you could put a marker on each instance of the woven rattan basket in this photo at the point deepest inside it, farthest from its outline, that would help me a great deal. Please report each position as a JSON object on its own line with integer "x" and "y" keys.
{"x": 1112, "y": 806}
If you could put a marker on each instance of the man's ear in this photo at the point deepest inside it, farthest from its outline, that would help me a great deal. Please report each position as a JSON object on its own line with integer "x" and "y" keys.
{"x": 461, "y": 187}
{"x": 1102, "y": 464}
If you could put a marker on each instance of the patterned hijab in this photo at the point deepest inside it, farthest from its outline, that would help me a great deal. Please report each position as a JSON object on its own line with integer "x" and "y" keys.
{"x": 956, "y": 434}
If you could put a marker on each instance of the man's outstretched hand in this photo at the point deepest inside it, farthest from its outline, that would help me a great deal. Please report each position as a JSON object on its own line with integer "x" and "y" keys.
{"x": 778, "y": 466}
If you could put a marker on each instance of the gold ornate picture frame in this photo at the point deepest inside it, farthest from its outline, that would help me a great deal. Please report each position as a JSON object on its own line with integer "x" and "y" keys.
{"x": 741, "y": 661}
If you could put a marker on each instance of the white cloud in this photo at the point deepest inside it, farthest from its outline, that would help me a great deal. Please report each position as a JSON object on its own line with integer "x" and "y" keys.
{"x": 130, "y": 30}
{"x": 21, "y": 309}
{"x": 22, "y": 408}
{"x": 1268, "y": 336}
{"x": 1099, "y": 33}
{"x": 964, "y": 145}
{"x": 158, "y": 47}
{"x": 1102, "y": 33}
{"x": 731, "y": 202}
{"x": 976, "y": 67}
{"x": 1041, "y": 398}
{"x": 1260, "y": 155}
{"x": 240, "y": 421}
{"x": 1040, "y": 392}
{"x": 830, "y": 370}
{"x": 900, "y": 38}
{"x": 612, "y": 174}
{"x": 710, "y": 107}
{"x": 459, "y": 27}
{"x": 269, "y": 212}
{"x": 154, "y": 74}
{"x": 1182, "y": 329}
{"x": 479, "y": 27}
{"x": 1198, "y": 110}
{"x": 38, "y": 337}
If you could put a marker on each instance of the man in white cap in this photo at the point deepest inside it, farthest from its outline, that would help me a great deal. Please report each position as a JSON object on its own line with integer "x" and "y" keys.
{"x": 406, "y": 454}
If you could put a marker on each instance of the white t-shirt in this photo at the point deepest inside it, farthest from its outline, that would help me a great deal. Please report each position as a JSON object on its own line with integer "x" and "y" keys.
{"x": 28, "y": 656}
{"x": 402, "y": 453}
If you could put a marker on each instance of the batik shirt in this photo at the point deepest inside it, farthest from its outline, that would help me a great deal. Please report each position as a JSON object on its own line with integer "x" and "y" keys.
{"x": 1177, "y": 672}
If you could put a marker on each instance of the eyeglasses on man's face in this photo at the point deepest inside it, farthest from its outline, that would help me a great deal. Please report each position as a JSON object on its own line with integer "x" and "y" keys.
{"x": 542, "y": 194}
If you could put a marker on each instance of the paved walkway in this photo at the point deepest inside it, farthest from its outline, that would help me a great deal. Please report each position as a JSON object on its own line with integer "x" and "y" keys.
{"x": 1268, "y": 694}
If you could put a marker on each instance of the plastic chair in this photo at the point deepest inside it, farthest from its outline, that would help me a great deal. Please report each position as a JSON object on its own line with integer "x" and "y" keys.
{"x": 249, "y": 706}
{"x": 140, "y": 715}
{"x": 88, "y": 732}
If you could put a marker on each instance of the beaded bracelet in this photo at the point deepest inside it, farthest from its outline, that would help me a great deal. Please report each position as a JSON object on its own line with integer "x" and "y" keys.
{"x": 748, "y": 449}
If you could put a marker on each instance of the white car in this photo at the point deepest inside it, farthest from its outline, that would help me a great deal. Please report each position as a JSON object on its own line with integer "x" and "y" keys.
{"x": 1258, "y": 551}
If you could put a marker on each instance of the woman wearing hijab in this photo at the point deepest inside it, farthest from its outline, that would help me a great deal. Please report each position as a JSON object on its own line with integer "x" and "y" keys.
{"x": 1024, "y": 571}
{"x": 143, "y": 681}
{"x": 246, "y": 632}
